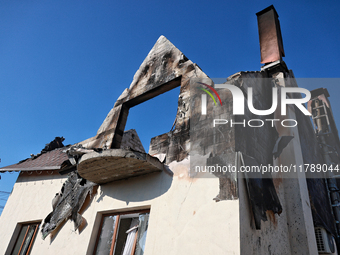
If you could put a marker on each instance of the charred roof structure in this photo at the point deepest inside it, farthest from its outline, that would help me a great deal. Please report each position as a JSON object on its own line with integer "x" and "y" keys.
{"x": 123, "y": 200}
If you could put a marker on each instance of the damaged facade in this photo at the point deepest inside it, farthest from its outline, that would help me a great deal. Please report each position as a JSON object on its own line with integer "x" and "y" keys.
{"x": 106, "y": 195}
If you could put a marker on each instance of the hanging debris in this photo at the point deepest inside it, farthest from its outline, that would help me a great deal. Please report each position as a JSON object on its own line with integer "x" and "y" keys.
{"x": 280, "y": 144}
{"x": 67, "y": 203}
{"x": 261, "y": 192}
{"x": 55, "y": 144}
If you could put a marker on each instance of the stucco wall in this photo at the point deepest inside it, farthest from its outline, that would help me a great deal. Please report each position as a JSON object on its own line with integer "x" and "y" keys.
{"x": 184, "y": 218}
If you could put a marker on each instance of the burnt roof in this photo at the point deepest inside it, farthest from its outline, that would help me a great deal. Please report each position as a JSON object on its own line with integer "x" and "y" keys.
{"x": 50, "y": 160}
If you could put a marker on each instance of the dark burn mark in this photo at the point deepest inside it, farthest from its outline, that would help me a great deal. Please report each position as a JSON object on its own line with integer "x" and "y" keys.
{"x": 167, "y": 56}
{"x": 183, "y": 59}
{"x": 145, "y": 70}
{"x": 82, "y": 182}
{"x": 261, "y": 192}
{"x": 152, "y": 79}
{"x": 190, "y": 68}
{"x": 166, "y": 59}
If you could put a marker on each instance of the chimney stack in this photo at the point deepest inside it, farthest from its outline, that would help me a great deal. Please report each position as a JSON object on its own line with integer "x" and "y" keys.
{"x": 271, "y": 44}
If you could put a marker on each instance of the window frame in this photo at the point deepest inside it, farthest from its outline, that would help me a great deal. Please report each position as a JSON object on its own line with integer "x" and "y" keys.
{"x": 21, "y": 226}
{"x": 116, "y": 228}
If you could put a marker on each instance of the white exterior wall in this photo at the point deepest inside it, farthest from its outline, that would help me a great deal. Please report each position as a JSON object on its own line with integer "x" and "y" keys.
{"x": 184, "y": 218}
{"x": 292, "y": 232}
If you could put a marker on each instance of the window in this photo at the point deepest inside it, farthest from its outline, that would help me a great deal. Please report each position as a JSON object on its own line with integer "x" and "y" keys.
{"x": 122, "y": 234}
{"x": 23, "y": 244}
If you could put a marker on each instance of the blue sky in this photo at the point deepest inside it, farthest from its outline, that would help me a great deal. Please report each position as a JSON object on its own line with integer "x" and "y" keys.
{"x": 63, "y": 64}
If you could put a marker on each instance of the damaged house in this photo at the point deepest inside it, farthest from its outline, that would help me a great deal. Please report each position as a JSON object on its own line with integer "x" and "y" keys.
{"x": 107, "y": 195}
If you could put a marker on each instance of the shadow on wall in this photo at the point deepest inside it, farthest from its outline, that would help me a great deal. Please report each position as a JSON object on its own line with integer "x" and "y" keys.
{"x": 137, "y": 189}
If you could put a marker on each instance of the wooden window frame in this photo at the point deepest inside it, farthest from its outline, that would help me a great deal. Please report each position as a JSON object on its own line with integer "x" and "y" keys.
{"x": 23, "y": 240}
{"x": 114, "y": 236}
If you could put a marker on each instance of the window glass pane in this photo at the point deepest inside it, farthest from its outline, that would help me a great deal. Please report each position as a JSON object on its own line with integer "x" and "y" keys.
{"x": 128, "y": 237}
{"x": 20, "y": 240}
{"x": 124, "y": 225}
{"x": 34, "y": 237}
{"x": 106, "y": 235}
{"x": 142, "y": 231}
{"x": 28, "y": 239}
